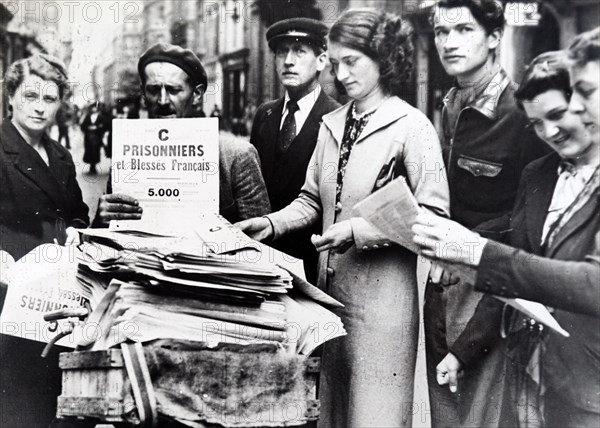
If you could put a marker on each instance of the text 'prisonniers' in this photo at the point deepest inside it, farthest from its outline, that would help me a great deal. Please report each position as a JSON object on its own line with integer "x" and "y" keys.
{"x": 174, "y": 150}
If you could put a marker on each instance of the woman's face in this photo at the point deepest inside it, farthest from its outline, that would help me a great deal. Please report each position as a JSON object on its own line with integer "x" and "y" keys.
{"x": 554, "y": 123}
{"x": 34, "y": 104}
{"x": 586, "y": 94}
{"x": 357, "y": 72}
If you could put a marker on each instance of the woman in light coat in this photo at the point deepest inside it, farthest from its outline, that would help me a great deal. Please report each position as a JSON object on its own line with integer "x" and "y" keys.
{"x": 367, "y": 376}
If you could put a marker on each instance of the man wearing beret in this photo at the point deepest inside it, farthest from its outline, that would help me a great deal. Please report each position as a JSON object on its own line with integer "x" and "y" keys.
{"x": 285, "y": 131}
{"x": 173, "y": 83}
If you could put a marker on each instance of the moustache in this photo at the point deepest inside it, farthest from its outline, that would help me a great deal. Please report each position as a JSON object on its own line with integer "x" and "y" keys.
{"x": 164, "y": 111}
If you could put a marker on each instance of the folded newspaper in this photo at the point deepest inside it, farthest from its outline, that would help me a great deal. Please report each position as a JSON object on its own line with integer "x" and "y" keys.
{"x": 393, "y": 210}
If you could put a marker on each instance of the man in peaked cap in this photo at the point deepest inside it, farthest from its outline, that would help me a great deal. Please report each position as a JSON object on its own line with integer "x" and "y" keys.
{"x": 173, "y": 83}
{"x": 285, "y": 130}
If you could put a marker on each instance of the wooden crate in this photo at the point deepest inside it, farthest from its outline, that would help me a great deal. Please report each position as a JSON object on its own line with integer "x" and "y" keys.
{"x": 95, "y": 385}
{"x": 229, "y": 385}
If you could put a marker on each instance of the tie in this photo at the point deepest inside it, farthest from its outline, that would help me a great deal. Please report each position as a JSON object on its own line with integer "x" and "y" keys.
{"x": 288, "y": 130}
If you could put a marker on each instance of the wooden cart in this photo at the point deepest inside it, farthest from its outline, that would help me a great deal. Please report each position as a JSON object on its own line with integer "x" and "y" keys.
{"x": 259, "y": 385}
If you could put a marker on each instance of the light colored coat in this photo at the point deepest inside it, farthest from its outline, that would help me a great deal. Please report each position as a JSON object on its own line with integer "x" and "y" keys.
{"x": 367, "y": 376}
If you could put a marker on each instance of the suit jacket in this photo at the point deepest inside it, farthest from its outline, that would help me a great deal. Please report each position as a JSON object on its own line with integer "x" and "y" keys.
{"x": 565, "y": 276}
{"x": 284, "y": 173}
{"x": 37, "y": 203}
{"x": 375, "y": 280}
{"x": 242, "y": 191}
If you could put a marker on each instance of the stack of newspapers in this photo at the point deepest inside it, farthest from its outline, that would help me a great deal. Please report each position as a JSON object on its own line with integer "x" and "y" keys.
{"x": 142, "y": 287}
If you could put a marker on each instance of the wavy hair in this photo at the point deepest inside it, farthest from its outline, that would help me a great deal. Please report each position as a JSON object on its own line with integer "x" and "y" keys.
{"x": 488, "y": 13}
{"x": 45, "y": 66}
{"x": 546, "y": 72}
{"x": 585, "y": 47}
{"x": 383, "y": 37}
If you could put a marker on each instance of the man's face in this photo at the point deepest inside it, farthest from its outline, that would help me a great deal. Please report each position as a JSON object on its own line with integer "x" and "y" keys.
{"x": 297, "y": 64}
{"x": 168, "y": 92}
{"x": 462, "y": 43}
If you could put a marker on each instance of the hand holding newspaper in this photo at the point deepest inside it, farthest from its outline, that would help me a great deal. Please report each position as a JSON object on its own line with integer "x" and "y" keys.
{"x": 393, "y": 210}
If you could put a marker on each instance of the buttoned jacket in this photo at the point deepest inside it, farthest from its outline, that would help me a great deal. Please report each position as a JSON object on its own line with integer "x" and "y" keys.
{"x": 395, "y": 131}
{"x": 565, "y": 276}
{"x": 39, "y": 201}
{"x": 374, "y": 279}
{"x": 284, "y": 173}
{"x": 485, "y": 153}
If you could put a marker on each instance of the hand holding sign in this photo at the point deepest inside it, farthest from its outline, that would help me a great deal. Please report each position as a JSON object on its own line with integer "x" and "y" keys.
{"x": 117, "y": 206}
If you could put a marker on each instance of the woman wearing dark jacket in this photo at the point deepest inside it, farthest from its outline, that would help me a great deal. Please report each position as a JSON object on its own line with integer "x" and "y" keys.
{"x": 41, "y": 203}
{"x": 554, "y": 257}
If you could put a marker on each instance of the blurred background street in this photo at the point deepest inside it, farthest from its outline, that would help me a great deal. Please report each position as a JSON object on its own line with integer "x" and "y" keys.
{"x": 92, "y": 186}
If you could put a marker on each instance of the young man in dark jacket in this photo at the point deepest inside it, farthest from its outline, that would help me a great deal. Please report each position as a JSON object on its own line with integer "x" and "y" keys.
{"x": 486, "y": 145}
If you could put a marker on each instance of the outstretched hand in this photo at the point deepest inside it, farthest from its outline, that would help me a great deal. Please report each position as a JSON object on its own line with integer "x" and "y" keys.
{"x": 446, "y": 240}
{"x": 259, "y": 228}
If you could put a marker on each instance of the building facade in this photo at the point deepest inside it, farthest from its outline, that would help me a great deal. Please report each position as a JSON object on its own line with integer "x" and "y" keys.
{"x": 27, "y": 28}
{"x": 229, "y": 37}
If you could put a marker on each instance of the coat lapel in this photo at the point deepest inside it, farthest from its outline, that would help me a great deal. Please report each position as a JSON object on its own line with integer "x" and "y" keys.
{"x": 539, "y": 196}
{"x": 27, "y": 161}
{"x": 580, "y": 219}
{"x": 390, "y": 111}
{"x": 336, "y": 121}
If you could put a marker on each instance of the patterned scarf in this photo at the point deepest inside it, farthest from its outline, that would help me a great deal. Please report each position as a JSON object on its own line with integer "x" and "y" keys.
{"x": 355, "y": 123}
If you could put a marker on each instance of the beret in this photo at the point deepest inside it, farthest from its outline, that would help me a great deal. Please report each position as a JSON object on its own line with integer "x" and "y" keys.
{"x": 302, "y": 29}
{"x": 182, "y": 58}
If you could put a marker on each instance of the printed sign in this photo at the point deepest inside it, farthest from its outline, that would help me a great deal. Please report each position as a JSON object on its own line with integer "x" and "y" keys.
{"x": 171, "y": 166}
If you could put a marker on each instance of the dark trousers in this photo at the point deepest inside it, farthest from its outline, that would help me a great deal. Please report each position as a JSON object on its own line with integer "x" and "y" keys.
{"x": 63, "y": 132}
{"x": 444, "y": 405}
{"x": 480, "y": 400}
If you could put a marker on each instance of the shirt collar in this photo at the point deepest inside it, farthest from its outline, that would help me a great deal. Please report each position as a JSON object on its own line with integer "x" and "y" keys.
{"x": 487, "y": 102}
{"x": 567, "y": 168}
{"x": 306, "y": 103}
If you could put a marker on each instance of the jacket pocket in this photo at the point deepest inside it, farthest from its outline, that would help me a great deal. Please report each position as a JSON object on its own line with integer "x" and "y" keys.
{"x": 478, "y": 167}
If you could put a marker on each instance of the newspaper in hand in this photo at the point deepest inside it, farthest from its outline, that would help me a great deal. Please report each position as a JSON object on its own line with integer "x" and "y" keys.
{"x": 393, "y": 210}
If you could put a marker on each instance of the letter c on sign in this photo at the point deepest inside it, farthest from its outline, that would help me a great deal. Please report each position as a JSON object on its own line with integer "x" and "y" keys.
{"x": 163, "y": 134}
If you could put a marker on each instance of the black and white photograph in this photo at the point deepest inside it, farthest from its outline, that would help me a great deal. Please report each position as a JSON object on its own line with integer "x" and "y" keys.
{"x": 300, "y": 213}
